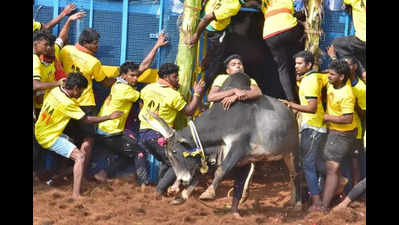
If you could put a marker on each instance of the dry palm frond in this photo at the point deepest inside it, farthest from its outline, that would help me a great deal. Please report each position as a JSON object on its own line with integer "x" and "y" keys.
{"x": 314, "y": 17}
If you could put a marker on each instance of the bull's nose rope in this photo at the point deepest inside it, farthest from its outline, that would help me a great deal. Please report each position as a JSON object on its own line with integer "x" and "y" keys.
{"x": 194, "y": 133}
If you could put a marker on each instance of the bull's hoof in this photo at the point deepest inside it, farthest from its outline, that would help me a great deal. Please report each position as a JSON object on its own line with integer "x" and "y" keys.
{"x": 177, "y": 201}
{"x": 209, "y": 194}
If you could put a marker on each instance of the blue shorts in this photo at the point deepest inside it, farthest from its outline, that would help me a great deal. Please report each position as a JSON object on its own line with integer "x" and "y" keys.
{"x": 62, "y": 146}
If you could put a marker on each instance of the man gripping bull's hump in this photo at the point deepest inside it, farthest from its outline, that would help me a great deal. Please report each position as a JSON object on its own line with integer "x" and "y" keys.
{"x": 263, "y": 128}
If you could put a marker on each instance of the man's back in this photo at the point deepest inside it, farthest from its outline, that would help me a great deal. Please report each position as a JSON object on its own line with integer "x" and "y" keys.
{"x": 74, "y": 60}
{"x": 161, "y": 100}
{"x": 121, "y": 97}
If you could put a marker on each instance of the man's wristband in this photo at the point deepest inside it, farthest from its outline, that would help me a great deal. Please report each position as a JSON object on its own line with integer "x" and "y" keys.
{"x": 196, "y": 94}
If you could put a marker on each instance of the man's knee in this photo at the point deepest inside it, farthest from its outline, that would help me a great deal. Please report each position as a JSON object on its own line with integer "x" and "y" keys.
{"x": 78, "y": 155}
{"x": 332, "y": 167}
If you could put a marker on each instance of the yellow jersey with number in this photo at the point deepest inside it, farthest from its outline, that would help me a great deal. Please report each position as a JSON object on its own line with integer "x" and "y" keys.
{"x": 310, "y": 88}
{"x": 223, "y": 11}
{"x": 161, "y": 100}
{"x": 339, "y": 102}
{"x": 74, "y": 60}
{"x": 359, "y": 17}
{"x": 54, "y": 116}
{"x": 121, "y": 97}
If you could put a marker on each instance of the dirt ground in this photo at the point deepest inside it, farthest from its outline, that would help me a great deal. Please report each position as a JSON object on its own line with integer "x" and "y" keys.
{"x": 122, "y": 202}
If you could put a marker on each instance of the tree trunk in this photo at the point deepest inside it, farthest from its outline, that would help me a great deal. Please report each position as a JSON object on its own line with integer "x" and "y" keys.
{"x": 186, "y": 55}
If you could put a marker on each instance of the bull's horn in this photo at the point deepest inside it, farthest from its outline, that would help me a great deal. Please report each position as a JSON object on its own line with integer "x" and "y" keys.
{"x": 159, "y": 124}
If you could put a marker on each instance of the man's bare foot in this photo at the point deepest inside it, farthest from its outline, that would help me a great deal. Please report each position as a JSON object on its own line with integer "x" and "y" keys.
{"x": 237, "y": 215}
{"x": 142, "y": 187}
{"x": 314, "y": 208}
{"x": 78, "y": 197}
{"x": 339, "y": 208}
{"x": 101, "y": 176}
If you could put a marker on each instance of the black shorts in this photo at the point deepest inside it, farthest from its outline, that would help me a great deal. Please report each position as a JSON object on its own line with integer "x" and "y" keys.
{"x": 78, "y": 130}
{"x": 337, "y": 146}
{"x": 357, "y": 148}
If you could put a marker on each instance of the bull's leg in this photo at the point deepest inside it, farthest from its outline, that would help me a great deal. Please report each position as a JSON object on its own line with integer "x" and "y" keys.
{"x": 238, "y": 150}
{"x": 183, "y": 196}
{"x": 295, "y": 181}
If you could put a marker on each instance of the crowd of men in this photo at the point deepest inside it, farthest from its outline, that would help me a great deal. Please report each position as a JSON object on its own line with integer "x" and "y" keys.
{"x": 331, "y": 103}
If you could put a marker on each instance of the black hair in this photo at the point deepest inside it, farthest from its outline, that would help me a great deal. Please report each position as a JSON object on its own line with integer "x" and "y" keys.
{"x": 341, "y": 67}
{"x": 39, "y": 35}
{"x": 352, "y": 59}
{"x": 306, "y": 55}
{"x": 128, "y": 65}
{"x": 167, "y": 69}
{"x": 231, "y": 57}
{"x": 76, "y": 79}
{"x": 88, "y": 35}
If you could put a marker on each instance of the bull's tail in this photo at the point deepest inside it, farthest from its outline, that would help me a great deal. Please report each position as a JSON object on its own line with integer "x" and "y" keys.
{"x": 248, "y": 180}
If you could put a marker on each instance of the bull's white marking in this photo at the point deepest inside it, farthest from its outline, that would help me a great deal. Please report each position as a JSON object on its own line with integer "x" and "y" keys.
{"x": 184, "y": 176}
{"x": 228, "y": 141}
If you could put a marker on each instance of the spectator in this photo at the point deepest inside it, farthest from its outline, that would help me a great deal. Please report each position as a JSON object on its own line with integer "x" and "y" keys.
{"x": 216, "y": 20}
{"x": 47, "y": 69}
{"x": 233, "y": 65}
{"x": 163, "y": 99}
{"x": 43, "y": 81}
{"x": 122, "y": 97}
{"x": 48, "y": 26}
{"x": 283, "y": 35}
{"x": 58, "y": 108}
{"x": 313, "y": 130}
{"x": 356, "y": 191}
{"x": 359, "y": 90}
{"x": 354, "y": 45}
{"x": 80, "y": 58}
{"x": 341, "y": 126}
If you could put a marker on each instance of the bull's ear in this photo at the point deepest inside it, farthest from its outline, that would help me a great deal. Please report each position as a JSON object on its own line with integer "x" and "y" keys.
{"x": 159, "y": 124}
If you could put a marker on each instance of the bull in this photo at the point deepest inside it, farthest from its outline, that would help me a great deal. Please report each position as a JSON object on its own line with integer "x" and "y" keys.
{"x": 250, "y": 131}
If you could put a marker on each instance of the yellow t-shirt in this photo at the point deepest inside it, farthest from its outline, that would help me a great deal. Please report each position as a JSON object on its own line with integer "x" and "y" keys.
{"x": 44, "y": 72}
{"x": 36, "y": 25}
{"x": 310, "y": 87}
{"x": 279, "y": 16}
{"x": 223, "y": 11}
{"x": 54, "y": 116}
{"x": 359, "y": 90}
{"x": 74, "y": 60}
{"x": 221, "y": 78}
{"x": 121, "y": 97}
{"x": 161, "y": 100}
{"x": 359, "y": 17}
{"x": 339, "y": 102}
